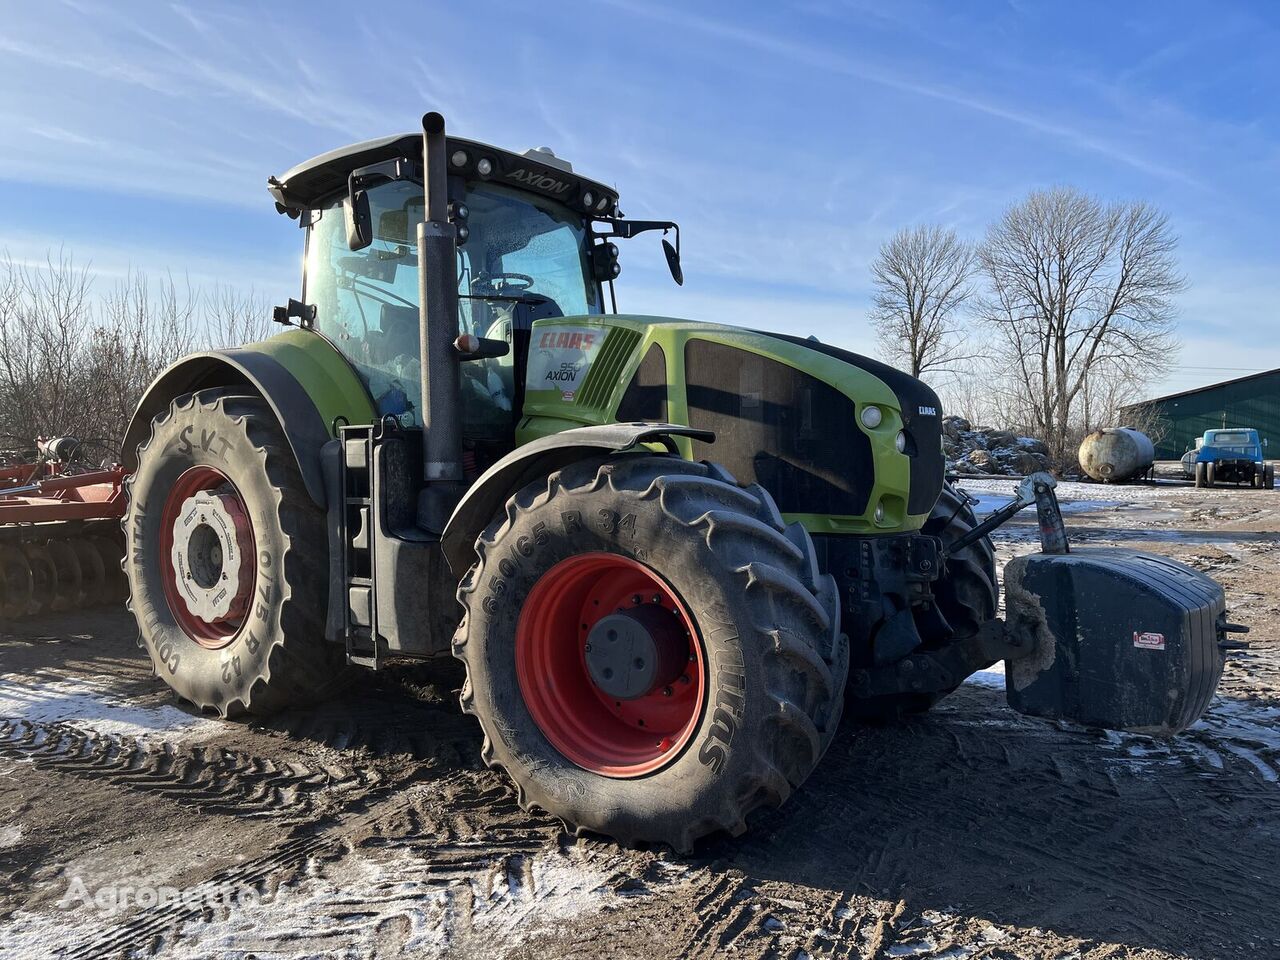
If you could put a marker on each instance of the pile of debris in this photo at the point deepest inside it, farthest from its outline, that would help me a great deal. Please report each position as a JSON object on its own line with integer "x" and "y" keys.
{"x": 985, "y": 450}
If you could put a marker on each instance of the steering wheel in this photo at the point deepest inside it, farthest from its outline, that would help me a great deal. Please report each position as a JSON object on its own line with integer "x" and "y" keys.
{"x": 511, "y": 284}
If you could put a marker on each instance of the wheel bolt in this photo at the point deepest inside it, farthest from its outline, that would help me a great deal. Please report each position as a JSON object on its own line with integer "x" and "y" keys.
{"x": 637, "y": 599}
{"x": 666, "y": 691}
{"x": 657, "y": 598}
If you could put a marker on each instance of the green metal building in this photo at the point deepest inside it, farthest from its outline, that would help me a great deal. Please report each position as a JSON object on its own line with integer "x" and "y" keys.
{"x": 1252, "y": 401}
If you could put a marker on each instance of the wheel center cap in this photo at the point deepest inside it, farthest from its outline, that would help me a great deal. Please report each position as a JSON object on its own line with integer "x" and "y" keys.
{"x": 634, "y": 652}
{"x": 209, "y": 566}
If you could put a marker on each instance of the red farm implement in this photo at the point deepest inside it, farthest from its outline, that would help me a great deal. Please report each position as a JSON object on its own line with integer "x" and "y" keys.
{"x": 60, "y": 540}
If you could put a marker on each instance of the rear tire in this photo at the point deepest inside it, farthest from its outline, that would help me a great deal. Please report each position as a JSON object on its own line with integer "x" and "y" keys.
{"x": 1201, "y": 480}
{"x": 1209, "y": 474}
{"x": 967, "y": 594}
{"x": 765, "y": 642}
{"x": 275, "y": 654}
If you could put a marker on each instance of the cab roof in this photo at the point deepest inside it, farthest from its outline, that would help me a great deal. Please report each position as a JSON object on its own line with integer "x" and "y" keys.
{"x": 315, "y": 181}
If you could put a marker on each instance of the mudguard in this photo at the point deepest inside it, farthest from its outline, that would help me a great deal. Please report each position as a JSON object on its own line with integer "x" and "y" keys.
{"x": 306, "y": 382}
{"x": 537, "y": 459}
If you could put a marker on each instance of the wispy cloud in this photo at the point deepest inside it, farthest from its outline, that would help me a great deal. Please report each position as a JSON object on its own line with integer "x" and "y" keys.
{"x": 813, "y": 56}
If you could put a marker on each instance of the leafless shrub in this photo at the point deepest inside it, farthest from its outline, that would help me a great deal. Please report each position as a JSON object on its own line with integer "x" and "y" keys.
{"x": 73, "y": 364}
{"x": 233, "y": 317}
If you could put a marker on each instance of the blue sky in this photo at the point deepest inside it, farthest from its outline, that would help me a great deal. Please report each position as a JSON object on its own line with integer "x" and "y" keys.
{"x": 788, "y": 140}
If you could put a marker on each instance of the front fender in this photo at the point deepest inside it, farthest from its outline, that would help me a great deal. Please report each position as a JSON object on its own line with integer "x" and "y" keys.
{"x": 539, "y": 458}
{"x": 306, "y": 382}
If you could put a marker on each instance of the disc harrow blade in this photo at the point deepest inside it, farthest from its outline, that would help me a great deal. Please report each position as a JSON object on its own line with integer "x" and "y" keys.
{"x": 93, "y": 574}
{"x": 16, "y": 582}
{"x": 69, "y": 592}
{"x": 44, "y": 578}
{"x": 115, "y": 588}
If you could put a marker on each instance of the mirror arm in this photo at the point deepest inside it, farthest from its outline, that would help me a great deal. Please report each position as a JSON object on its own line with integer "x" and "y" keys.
{"x": 626, "y": 229}
{"x": 398, "y": 168}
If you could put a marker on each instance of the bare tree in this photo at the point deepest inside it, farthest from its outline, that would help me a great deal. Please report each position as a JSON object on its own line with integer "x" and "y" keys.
{"x": 1080, "y": 299}
{"x": 922, "y": 278}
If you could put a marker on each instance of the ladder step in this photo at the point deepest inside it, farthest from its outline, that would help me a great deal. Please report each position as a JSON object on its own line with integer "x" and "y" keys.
{"x": 360, "y": 605}
{"x": 360, "y": 538}
{"x": 355, "y": 454}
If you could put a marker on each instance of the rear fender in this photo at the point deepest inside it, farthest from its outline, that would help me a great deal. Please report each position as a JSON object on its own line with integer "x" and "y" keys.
{"x": 304, "y": 380}
{"x": 539, "y": 458}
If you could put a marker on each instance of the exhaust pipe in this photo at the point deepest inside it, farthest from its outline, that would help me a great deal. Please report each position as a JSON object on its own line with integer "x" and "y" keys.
{"x": 438, "y": 328}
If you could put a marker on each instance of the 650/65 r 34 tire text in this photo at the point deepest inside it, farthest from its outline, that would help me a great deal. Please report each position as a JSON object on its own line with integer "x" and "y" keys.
{"x": 226, "y": 560}
{"x": 651, "y": 652}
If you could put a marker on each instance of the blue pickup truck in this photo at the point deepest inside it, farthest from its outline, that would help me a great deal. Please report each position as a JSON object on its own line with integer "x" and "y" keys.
{"x": 1233, "y": 455}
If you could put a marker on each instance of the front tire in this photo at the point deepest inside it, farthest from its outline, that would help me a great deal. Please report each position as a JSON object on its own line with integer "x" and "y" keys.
{"x": 728, "y": 590}
{"x": 226, "y": 558}
{"x": 967, "y": 594}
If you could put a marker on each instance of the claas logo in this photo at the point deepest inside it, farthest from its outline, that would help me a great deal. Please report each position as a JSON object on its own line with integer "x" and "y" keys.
{"x": 564, "y": 340}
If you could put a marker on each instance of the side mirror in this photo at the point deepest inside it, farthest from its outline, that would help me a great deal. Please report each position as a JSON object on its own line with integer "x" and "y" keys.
{"x": 673, "y": 262}
{"x": 359, "y": 221}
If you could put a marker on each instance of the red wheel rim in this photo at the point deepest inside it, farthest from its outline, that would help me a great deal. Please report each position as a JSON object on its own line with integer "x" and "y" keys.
{"x": 219, "y": 633}
{"x": 615, "y": 738}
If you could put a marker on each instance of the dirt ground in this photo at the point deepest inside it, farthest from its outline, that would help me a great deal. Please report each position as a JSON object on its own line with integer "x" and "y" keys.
{"x": 368, "y": 828}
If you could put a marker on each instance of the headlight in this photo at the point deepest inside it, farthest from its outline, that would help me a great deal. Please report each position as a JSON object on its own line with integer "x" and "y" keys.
{"x": 484, "y": 167}
{"x": 459, "y": 158}
{"x": 871, "y": 416}
{"x": 879, "y": 513}
{"x": 900, "y": 441}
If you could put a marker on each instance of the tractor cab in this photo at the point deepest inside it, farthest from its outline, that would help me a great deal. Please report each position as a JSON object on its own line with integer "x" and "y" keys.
{"x": 530, "y": 245}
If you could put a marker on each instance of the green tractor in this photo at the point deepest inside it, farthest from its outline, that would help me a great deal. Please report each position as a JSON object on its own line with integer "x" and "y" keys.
{"x": 670, "y": 554}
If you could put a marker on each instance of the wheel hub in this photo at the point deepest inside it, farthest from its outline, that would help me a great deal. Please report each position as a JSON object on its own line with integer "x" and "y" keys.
{"x": 634, "y": 652}
{"x": 211, "y": 537}
{"x": 620, "y": 706}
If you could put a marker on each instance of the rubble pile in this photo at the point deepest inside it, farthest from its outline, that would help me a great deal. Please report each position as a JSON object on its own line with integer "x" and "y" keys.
{"x": 985, "y": 450}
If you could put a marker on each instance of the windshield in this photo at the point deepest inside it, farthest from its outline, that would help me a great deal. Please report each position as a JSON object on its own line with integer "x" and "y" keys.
{"x": 524, "y": 258}
{"x": 1231, "y": 437}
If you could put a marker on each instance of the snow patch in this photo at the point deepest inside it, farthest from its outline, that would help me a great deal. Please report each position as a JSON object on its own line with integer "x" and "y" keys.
{"x": 992, "y": 676}
{"x": 10, "y": 836}
{"x": 913, "y": 948}
{"x": 95, "y": 708}
{"x": 1097, "y": 496}
{"x": 397, "y": 903}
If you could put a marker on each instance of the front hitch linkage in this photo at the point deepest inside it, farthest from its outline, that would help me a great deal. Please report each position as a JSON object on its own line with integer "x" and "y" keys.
{"x": 1036, "y": 489}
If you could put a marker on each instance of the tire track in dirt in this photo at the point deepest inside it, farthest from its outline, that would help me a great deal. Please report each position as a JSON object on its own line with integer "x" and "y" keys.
{"x": 451, "y": 862}
{"x": 210, "y": 778}
{"x": 1033, "y": 824}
